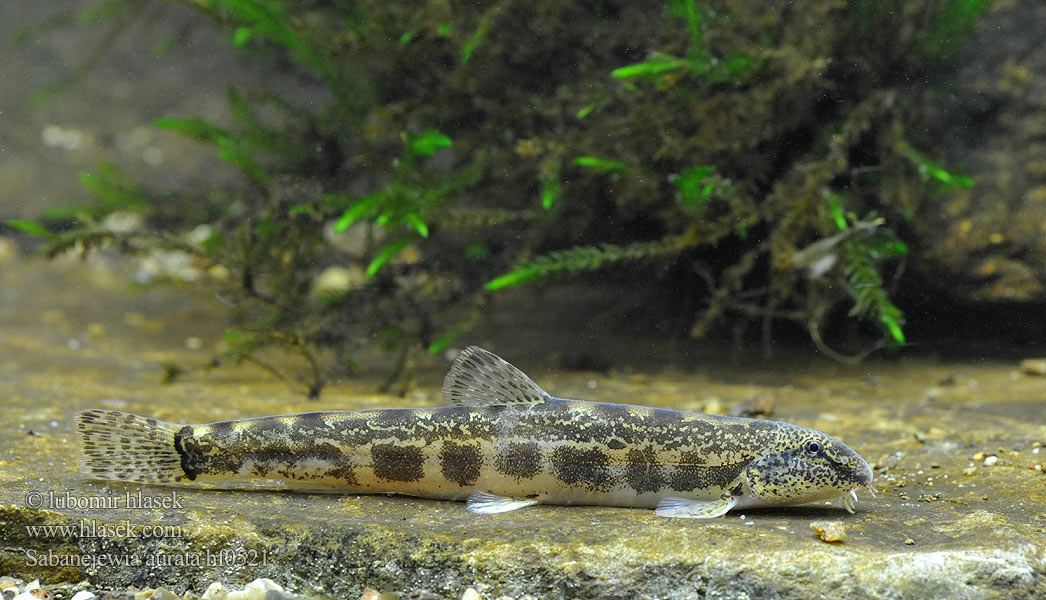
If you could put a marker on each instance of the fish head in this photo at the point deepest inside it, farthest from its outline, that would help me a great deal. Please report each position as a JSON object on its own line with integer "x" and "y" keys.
{"x": 805, "y": 465}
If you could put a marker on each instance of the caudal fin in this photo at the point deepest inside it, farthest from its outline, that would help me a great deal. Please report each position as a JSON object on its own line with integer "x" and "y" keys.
{"x": 125, "y": 447}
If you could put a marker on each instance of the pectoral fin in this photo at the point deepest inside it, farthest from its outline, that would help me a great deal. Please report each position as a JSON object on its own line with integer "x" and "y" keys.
{"x": 684, "y": 508}
{"x": 485, "y": 503}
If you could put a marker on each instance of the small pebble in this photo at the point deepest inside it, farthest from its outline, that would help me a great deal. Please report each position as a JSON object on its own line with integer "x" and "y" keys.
{"x": 215, "y": 591}
{"x": 990, "y": 460}
{"x": 84, "y": 595}
{"x": 471, "y": 594}
{"x": 829, "y": 531}
{"x": 759, "y": 405}
{"x": 1033, "y": 366}
{"x": 713, "y": 406}
{"x": 909, "y": 541}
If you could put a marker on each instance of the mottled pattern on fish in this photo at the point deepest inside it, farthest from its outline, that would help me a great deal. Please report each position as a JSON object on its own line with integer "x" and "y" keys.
{"x": 504, "y": 438}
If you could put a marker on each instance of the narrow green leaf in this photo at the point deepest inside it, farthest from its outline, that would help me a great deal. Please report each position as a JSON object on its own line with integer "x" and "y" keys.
{"x": 657, "y": 65}
{"x": 391, "y": 249}
{"x": 470, "y": 44}
{"x": 445, "y": 340}
{"x": 584, "y": 112}
{"x": 835, "y": 206}
{"x": 695, "y": 185}
{"x": 32, "y": 228}
{"x": 415, "y": 221}
{"x": 603, "y": 165}
{"x": 551, "y": 190}
{"x": 427, "y": 142}
{"x": 193, "y": 127}
{"x": 408, "y": 36}
{"x": 895, "y": 329}
{"x": 511, "y": 279}
{"x": 357, "y": 211}
{"x": 241, "y": 36}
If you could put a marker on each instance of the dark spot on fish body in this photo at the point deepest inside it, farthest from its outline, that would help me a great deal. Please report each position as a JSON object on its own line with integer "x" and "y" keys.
{"x": 461, "y": 463}
{"x": 394, "y": 462}
{"x": 642, "y": 471}
{"x": 395, "y": 418}
{"x": 616, "y": 444}
{"x": 189, "y": 460}
{"x": 222, "y": 429}
{"x": 521, "y": 460}
{"x": 694, "y": 474}
{"x": 307, "y": 426}
{"x": 588, "y": 467}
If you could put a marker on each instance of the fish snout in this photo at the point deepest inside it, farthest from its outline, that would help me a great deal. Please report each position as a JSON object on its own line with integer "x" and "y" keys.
{"x": 863, "y": 473}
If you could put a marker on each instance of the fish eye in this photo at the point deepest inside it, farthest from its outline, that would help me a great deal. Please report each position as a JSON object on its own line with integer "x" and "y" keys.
{"x": 813, "y": 447}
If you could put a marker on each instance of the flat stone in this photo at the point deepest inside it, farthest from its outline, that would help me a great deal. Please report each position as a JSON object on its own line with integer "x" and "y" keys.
{"x": 932, "y": 531}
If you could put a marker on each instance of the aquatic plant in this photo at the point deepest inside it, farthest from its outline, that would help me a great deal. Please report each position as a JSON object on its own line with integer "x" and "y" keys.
{"x": 765, "y": 149}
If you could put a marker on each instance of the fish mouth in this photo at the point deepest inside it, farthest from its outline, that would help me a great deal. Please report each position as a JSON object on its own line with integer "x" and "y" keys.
{"x": 863, "y": 480}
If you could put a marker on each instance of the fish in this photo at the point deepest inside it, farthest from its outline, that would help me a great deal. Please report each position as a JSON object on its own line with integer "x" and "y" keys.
{"x": 501, "y": 443}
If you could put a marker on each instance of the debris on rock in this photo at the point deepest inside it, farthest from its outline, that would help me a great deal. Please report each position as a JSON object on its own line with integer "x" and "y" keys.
{"x": 829, "y": 531}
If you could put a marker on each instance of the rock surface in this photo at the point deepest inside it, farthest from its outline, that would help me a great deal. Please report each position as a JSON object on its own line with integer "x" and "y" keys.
{"x": 943, "y": 524}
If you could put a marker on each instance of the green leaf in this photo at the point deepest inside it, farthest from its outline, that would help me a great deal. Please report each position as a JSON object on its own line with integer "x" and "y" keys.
{"x": 408, "y": 36}
{"x": 445, "y": 340}
{"x": 361, "y": 209}
{"x": 602, "y": 165}
{"x": 894, "y": 328}
{"x": 241, "y": 36}
{"x": 551, "y": 190}
{"x": 470, "y": 44}
{"x": 114, "y": 189}
{"x": 686, "y": 10}
{"x": 415, "y": 221}
{"x": 476, "y": 251}
{"x": 193, "y": 127}
{"x": 427, "y": 142}
{"x": 652, "y": 67}
{"x": 388, "y": 251}
{"x": 835, "y": 207}
{"x": 696, "y": 185}
{"x": 931, "y": 171}
{"x": 582, "y": 258}
{"x": 584, "y": 112}
{"x": 32, "y": 228}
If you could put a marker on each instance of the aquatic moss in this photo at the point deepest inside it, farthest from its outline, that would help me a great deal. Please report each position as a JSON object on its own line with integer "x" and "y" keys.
{"x": 612, "y": 137}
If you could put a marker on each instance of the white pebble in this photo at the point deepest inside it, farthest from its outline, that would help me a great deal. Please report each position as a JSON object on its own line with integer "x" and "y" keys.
{"x": 83, "y": 595}
{"x": 255, "y": 590}
{"x": 990, "y": 460}
{"x": 471, "y": 594}
{"x": 216, "y": 591}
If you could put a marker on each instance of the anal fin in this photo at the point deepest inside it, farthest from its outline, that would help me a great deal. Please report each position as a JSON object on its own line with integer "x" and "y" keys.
{"x": 686, "y": 508}
{"x": 485, "y": 503}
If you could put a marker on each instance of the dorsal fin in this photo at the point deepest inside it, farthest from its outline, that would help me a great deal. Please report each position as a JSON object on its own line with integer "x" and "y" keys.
{"x": 481, "y": 378}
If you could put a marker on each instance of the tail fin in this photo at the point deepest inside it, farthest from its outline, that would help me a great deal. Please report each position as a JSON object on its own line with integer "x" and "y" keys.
{"x": 126, "y": 447}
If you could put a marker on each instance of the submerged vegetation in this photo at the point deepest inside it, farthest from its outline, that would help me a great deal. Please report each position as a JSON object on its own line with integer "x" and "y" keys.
{"x": 752, "y": 158}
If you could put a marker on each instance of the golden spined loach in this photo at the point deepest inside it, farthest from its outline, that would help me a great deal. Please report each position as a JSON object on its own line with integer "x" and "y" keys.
{"x": 502, "y": 443}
